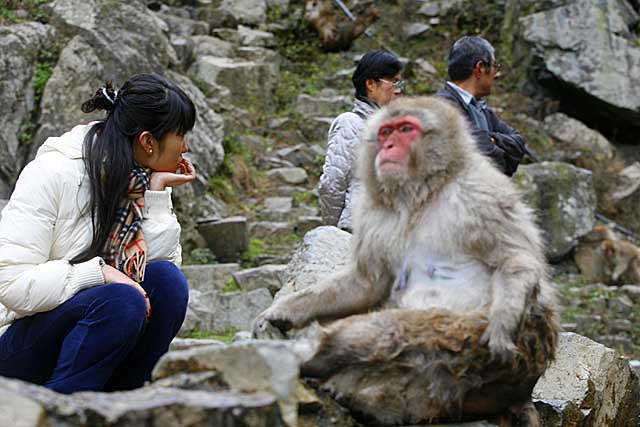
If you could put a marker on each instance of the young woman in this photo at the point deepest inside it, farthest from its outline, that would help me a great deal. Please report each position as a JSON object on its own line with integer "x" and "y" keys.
{"x": 90, "y": 292}
{"x": 377, "y": 81}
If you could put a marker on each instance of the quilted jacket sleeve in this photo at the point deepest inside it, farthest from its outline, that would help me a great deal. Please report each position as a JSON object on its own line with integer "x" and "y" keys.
{"x": 161, "y": 228}
{"x": 337, "y": 171}
{"x": 29, "y": 281}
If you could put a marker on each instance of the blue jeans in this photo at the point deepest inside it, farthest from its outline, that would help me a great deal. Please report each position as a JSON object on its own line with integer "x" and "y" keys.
{"x": 98, "y": 340}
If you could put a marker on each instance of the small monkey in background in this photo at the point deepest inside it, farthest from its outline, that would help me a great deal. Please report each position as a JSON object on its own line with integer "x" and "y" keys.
{"x": 622, "y": 262}
{"x": 590, "y": 257}
{"x": 448, "y": 257}
{"x": 336, "y": 33}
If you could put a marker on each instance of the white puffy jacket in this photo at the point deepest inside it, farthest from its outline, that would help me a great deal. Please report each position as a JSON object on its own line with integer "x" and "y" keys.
{"x": 48, "y": 222}
{"x": 338, "y": 187}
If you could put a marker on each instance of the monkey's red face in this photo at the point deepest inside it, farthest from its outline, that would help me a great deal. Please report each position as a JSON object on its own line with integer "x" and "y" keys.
{"x": 395, "y": 138}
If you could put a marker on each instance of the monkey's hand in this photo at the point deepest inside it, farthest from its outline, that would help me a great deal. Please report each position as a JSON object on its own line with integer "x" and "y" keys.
{"x": 498, "y": 338}
{"x": 274, "y": 322}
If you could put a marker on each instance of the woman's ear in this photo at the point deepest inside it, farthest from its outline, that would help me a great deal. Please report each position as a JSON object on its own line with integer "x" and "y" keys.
{"x": 370, "y": 85}
{"x": 146, "y": 139}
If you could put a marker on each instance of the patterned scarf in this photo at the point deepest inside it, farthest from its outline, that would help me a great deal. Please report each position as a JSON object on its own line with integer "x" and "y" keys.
{"x": 125, "y": 249}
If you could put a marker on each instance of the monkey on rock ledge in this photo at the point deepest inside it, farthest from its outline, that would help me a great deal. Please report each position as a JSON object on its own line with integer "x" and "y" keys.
{"x": 445, "y": 311}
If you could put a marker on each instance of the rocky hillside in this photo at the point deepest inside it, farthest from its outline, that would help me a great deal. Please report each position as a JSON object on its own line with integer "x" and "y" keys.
{"x": 266, "y": 93}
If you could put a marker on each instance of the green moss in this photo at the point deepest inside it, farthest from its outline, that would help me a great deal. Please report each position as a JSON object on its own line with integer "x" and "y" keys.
{"x": 221, "y": 188}
{"x": 305, "y": 197}
{"x": 231, "y": 286}
{"x": 201, "y": 256}
{"x": 256, "y": 249}
{"x": 34, "y": 8}
{"x": 224, "y": 335}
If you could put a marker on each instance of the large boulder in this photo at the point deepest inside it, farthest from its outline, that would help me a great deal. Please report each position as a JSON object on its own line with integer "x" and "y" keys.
{"x": 20, "y": 46}
{"x": 256, "y": 86}
{"x": 27, "y": 405}
{"x": 324, "y": 250}
{"x": 109, "y": 41}
{"x": 589, "y": 59}
{"x": 623, "y": 199}
{"x": 564, "y": 197}
{"x": 593, "y": 378}
{"x": 230, "y": 13}
{"x": 577, "y": 144}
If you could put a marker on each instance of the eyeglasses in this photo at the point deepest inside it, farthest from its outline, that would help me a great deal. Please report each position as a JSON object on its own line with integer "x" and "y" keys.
{"x": 400, "y": 84}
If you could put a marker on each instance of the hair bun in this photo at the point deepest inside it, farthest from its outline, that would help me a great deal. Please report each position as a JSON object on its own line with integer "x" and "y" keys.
{"x": 104, "y": 99}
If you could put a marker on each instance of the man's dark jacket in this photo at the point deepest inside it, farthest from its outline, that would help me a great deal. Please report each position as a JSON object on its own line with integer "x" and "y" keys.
{"x": 509, "y": 147}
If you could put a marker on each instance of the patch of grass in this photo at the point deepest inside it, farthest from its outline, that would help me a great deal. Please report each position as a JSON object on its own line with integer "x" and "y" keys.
{"x": 305, "y": 197}
{"x": 256, "y": 248}
{"x": 231, "y": 286}
{"x": 33, "y": 8}
{"x": 201, "y": 256}
{"x": 224, "y": 335}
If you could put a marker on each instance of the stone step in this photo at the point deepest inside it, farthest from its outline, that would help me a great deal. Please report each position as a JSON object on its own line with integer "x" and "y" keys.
{"x": 209, "y": 277}
{"x": 212, "y": 310}
{"x": 269, "y": 276}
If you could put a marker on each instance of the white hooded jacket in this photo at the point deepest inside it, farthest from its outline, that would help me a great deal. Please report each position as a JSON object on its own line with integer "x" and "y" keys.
{"x": 48, "y": 222}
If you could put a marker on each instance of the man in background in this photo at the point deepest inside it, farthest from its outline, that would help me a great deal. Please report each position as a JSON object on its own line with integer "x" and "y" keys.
{"x": 472, "y": 68}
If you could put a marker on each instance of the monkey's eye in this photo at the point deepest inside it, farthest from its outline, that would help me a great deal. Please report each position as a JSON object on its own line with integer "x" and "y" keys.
{"x": 407, "y": 128}
{"x": 386, "y": 131}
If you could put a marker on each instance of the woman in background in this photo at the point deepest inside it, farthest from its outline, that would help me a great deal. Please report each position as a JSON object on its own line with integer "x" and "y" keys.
{"x": 376, "y": 81}
{"x": 90, "y": 291}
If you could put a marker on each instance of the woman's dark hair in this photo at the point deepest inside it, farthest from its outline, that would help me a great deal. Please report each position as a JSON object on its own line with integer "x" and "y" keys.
{"x": 146, "y": 102}
{"x": 377, "y": 64}
{"x": 465, "y": 53}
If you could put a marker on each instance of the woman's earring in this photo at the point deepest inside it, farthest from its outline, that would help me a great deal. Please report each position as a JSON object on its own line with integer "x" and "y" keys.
{"x": 150, "y": 151}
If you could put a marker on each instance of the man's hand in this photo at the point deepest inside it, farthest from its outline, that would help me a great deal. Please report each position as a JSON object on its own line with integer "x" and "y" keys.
{"x": 160, "y": 180}
{"x": 113, "y": 275}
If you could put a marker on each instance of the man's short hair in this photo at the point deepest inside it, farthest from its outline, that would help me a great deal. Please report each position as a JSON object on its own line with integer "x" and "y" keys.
{"x": 465, "y": 54}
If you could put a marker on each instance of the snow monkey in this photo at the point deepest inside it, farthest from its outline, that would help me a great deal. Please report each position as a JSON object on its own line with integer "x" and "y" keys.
{"x": 622, "y": 261}
{"x": 590, "y": 257}
{"x": 336, "y": 33}
{"x": 445, "y": 311}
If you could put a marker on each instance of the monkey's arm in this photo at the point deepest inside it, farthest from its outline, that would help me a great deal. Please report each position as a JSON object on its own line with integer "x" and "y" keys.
{"x": 621, "y": 263}
{"x": 343, "y": 294}
{"x": 338, "y": 167}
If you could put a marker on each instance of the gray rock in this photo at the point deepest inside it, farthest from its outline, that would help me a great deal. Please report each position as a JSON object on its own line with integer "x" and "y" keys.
{"x": 621, "y": 306}
{"x": 620, "y": 343}
{"x": 273, "y": 368}
{"x": 250, "y": 37}
{"x": 416, "y": 29}
{"x": 325, "y": 104}
{"x": 230, "y": 13}
{"x": 19, "y": 48}
{"x": 266, "y": 276}
{"x": 157, "y": 406}
{"x": 183, "y": 47}
{"x": 316, "y": 129}
{"x": 559, "y": 413}
{"x": 212, "y": 311}
{"x": 254, "y": 88}
{"x": 186, "y": 343}
{"x": 625, "y": 197}
{"x": 593, "y": 377}
{"x": 565, "y": 198}
{"x": 302, "y": 155}
{"x": 581, "y": 44}
{"x": 212, "y": 46}
{"x": 426, "y": 66}
{"x": 632, "y": 291}
{"x": 262, "y": 229}
{"x": 113, "y": 41}
{"x": 242, "y": 336}
{"x": 227, "y": 238}
{"x": 306, "y": 224}
{"x": 209, "y": 277}
{"x": 19, "y": 411}
{"x": 577, "y": 144}
{"x": 439, "y": 7}
{"x": 293, "y": 176}
{"x": 324, "y": 251}
{"x": 276, "y": 208}
{"x": 185, "y": 27}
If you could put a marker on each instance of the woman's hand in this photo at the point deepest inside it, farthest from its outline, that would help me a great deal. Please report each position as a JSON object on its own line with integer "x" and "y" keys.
{"x": 160, "y": 180}
{"x": 113, "y": 275}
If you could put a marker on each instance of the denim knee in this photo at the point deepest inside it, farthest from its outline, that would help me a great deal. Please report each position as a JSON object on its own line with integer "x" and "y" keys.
{"x": 167, "y": 286}
{"x": 125, "y": 305}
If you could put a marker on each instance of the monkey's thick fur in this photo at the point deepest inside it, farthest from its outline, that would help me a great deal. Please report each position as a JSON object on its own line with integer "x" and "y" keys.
{"x": 450, "y": 256}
